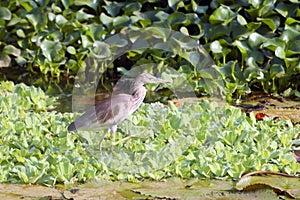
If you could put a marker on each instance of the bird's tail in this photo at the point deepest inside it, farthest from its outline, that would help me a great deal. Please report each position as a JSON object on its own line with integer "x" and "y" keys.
{"x": 72, "y": 127}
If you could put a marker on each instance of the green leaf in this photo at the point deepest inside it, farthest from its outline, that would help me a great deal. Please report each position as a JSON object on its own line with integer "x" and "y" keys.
{"x": 12, "y": 50}
{"x": 272, "y": 23}
{"x": 50, "y": 49}
{"x": 90, "y": 3}
{"x": 37, "y": 19}
{"x": 5, "y": 13}
{"x": 294, "y": 47}
{"x": 176, "y": 18}
{"x": 71, "y": 50}
{"x": 174, "y": 4}
{"x": 243, "y": 47}
{"x": 20, "y": 33}
{"x": 272, "y": 44}
{"x": 253, "y": 70}
{"x": 132, "y": 7}
{"x": 67, "y": 3}
{"x": 216, "y": 47}
{"x": 289, "y": 34}
{"x": 60, "y": 20}
{"x": 285, "y": 9}
{"x": 199, "y": 9}
{"x": 223, "y": 15}
{"x": 280, "y": 52}
{"x": 121, "y": 21}
{"x": 81, "y": 15}
{"x": 276, "y": 70}
{"x": 4, "y": 60}
{"x": 101, "y": 50}
{"x": 242, "y": 21}
{"x": 175, "y": 122}
{"x": 255, "y": 40}
{"x": 113, "y": 8}
{"x": 106, "y": 20}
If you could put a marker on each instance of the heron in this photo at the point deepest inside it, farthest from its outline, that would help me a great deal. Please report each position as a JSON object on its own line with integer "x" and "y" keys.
{"x": 109, "y": 113}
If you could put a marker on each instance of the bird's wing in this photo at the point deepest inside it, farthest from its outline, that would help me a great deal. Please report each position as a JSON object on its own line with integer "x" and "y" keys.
{"x": 105, "y": 114}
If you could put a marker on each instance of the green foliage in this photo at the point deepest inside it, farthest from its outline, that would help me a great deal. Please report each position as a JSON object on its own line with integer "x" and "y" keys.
{"x": 258, "y": 39}
{"x": 196, "y": 140}
{"x": 35, "y": 147}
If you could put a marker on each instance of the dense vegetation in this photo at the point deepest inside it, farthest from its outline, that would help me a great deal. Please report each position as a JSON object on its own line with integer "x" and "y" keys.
{"x": 197, "y": 140}
{"x": 255, "y": 44}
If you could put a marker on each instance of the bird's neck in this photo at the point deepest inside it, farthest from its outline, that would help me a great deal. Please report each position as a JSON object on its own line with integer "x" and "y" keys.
{"x": 138, "y": 96}
{"x": 135, "y": 86}
{"x": 139, "y": 92}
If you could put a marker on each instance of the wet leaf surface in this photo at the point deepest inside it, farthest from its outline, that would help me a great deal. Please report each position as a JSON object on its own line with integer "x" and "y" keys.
{"x": 169, "y": 189}
{"x": 280, "y": 184}
{"x": 10, "y": 192}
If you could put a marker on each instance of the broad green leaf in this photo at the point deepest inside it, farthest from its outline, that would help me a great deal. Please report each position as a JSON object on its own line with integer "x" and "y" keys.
{"x": 199, "y": 9}
{"x": 223, "y": 15}
{"x": 67, "y": 3}
{"x": 228, "y": 69}
{"x": 90, "y": 3}
{"x": 255, "y": 40}
{"x": 176, "y": 18}
{"x": 253, "y": 25}
{"x": 20, "y": 33}
{"x": 175, "y": 122}
{"x": 280, "y": 52}
{"x": 242, "y": 21}
{"x": 37, "y": 18}
{"x": 113, "y": 8}
{"x": 101, "y": 50}
{"x": 86, "y": 41}
{"x": 184, "y": 31}
{"x": 4, "y": 61}
{"x": 14, "y": 21}
{"x": 5, "y": 13}
{"x": 121, "y": 21}
{"x": 294, "y": 47}
{"x": 252, "y": 70}
{"x": 276, "y": 70}
{"x": 216, "y": 47}
{"x": 243, "y": 47}
{"x": 255, "y": 3}
{"x": 272, "y": 44}
{"x": 289, "y": 34}
{"x": 285, "y": 9}
{"x": 272, "y": 23}
{"x": 12, "y": 50}
{"x": 60, "y": 20}
{"x": 81, "y": 15}
{"x": 50, "y": 49}
{"x": 106, "y": 20}
{"x": 290, "y": 21}
{"x": 132, "y": 7}
{"x": 71, "y": 50}
{"x": 174, "y": 4}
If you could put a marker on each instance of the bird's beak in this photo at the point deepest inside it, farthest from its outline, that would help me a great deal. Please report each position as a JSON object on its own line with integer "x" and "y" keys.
{"x": 163, "y": 81}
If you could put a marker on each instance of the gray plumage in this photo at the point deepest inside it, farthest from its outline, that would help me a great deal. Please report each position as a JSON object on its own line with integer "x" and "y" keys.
{"x": 111, "y": 112}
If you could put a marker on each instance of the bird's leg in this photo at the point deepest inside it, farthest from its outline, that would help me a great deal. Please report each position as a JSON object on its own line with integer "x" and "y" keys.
{"x": 102, "y": 138}
{"x": 113, "y": 131}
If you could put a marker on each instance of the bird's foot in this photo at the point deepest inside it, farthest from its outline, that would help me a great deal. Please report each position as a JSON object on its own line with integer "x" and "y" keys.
{"x": 120, "y": 141}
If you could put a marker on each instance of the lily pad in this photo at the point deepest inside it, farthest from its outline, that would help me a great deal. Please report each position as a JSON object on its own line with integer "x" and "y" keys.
{"x": 278, "y": 183}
